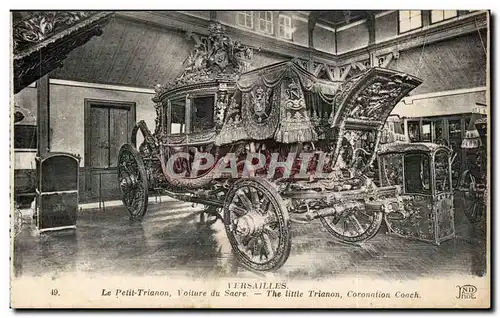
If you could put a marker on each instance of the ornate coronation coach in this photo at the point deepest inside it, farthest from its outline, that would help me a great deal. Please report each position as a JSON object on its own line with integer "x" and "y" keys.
{"x": 312, "y": 143}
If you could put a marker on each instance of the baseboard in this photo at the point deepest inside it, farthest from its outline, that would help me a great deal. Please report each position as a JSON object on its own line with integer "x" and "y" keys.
{"x": 29, "y": 212}
{"x": 112, "y": 203}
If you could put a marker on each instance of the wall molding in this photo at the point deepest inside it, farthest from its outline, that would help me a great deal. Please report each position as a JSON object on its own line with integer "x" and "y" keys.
{"x": 178, "y": 21}
{"x": 195, "y": 16}
{"x": 409, "y": 99}
{"x": 350, "y": 25}
{"x": 299, "y": 18}
{"x": 430, "y": 34}
{"x": 433, "y": 26}
{"x": 325, "y": 27}
{"x": 54, "y": 81}
{"x": 378, "y": 15}
{"x": 381, "y": 14}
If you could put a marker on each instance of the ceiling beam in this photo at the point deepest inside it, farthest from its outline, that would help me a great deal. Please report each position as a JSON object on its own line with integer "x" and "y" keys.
{"x": 311, "y": 23}
{"x": 370, "y": 23}
{"x": 43, "y": 115}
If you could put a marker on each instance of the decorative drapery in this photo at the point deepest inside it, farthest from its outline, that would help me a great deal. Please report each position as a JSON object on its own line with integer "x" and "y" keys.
{"x": 273, "y": 74}
{"x": 273, "y": 105}
{"x": 286, "y": 103}
{"x": 233, "y": 128}
{"x": 295, "y": 124}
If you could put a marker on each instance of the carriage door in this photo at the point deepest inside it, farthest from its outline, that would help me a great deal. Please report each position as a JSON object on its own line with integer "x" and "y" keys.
{"x": 108, "y": 125}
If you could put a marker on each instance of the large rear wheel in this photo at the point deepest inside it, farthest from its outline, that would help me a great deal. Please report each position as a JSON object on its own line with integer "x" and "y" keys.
{"x": 133, "y": 182}
{"x": 257, "y": 224}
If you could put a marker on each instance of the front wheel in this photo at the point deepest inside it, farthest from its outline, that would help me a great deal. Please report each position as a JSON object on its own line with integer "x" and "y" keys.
{"x": 471, "y": 197}
{"x": 257, "y": 224}
{"x": 356, "y": 226}
{"x": 133, "y": 182}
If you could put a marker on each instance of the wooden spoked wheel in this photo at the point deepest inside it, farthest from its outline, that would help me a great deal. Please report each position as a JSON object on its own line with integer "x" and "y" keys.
{"x": 357, "y": 225}
{"x": 133, "y": 182}
{"x": 471, "y": 200}
{"x": 257, "y": 224}
{"x": 473, "y": 207}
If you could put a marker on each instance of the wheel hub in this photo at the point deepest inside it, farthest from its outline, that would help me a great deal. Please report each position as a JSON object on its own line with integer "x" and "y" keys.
{"x": 250, "y": 223}
{"x": 128, "y": 182}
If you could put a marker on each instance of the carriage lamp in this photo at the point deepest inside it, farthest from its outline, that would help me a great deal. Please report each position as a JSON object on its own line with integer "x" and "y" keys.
{"x": 472, "y": 139}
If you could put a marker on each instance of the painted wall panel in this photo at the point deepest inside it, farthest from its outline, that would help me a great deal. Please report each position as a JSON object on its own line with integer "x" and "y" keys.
{"x": 324, "y": 40}
{"x": 352, "y": 38}
{"x": 67, "y": 112}
{"x": 386, "y": 26}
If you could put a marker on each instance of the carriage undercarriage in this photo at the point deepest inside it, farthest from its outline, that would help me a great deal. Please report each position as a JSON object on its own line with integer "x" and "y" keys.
{"x": 257, "y": 212}
{"x": 327, "y": 133}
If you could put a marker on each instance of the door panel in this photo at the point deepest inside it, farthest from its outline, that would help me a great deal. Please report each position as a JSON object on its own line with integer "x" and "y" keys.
{"x": 418, "y": 221}
{"x": 107, "y": 127}
{"x": 99, "y": 137}
{"x": 118, "y": 132}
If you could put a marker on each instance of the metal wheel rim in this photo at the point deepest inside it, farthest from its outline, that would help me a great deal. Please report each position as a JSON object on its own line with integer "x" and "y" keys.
{"x": 352, "y": 225}
{"x": 262, "y": 245}
{"x": 133, "y": 195}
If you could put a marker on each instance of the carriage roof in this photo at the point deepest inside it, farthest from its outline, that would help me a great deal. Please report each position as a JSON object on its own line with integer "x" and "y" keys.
{"x": 404, "y": 147}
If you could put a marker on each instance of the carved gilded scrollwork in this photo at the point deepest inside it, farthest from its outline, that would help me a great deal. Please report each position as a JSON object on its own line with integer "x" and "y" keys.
{"x": 220, "y": 109}
{"x": 41, "y": 25}
{"x": 215, "y": 58}
{"x": 42, "y": 41}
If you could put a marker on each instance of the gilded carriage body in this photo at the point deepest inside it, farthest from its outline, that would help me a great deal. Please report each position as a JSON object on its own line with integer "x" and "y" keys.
{"x": 266, "y": 147}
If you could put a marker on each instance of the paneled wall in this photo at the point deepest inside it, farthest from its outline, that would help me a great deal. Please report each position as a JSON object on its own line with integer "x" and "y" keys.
{"x": 352, "y": 38}
{"x": 128, "y": 53}
{"x": 451, "y": 64}
{"x": 386, "y": 26}
{"x": 261, "y": 59}
{"x": 454, "y": 69}
{"x": 67, "y": 124}
{"x": 324, "y": 39}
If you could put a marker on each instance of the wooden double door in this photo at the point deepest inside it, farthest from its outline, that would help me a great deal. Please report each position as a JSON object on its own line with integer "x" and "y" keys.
{"x": 108, "y": 125}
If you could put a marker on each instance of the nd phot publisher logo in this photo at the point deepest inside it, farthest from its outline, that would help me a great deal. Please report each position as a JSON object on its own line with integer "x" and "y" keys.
{"x": 466, "y": 292}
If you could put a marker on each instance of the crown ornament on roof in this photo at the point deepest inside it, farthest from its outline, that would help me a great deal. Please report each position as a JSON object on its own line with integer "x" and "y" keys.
{"x": 215, "y": 57}
{"x": 216, "y": 29}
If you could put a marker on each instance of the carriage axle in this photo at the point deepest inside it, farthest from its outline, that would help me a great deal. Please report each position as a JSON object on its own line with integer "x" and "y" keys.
{"x": 336, "y": 210}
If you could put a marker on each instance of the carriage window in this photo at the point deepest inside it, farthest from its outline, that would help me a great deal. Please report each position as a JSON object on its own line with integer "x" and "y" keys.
{"x": 442, "y": 172}
{"x": 202, "y": 113}
{"x": 438, "y": 130}
{"x": 399, "y": 127}
{"x": 414, "y": 131}
{"x": 417, "y": 174}
{"x": 455, "y": 129}
{"x": 426, "y": 131}
{"x": 178, "y": 114}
